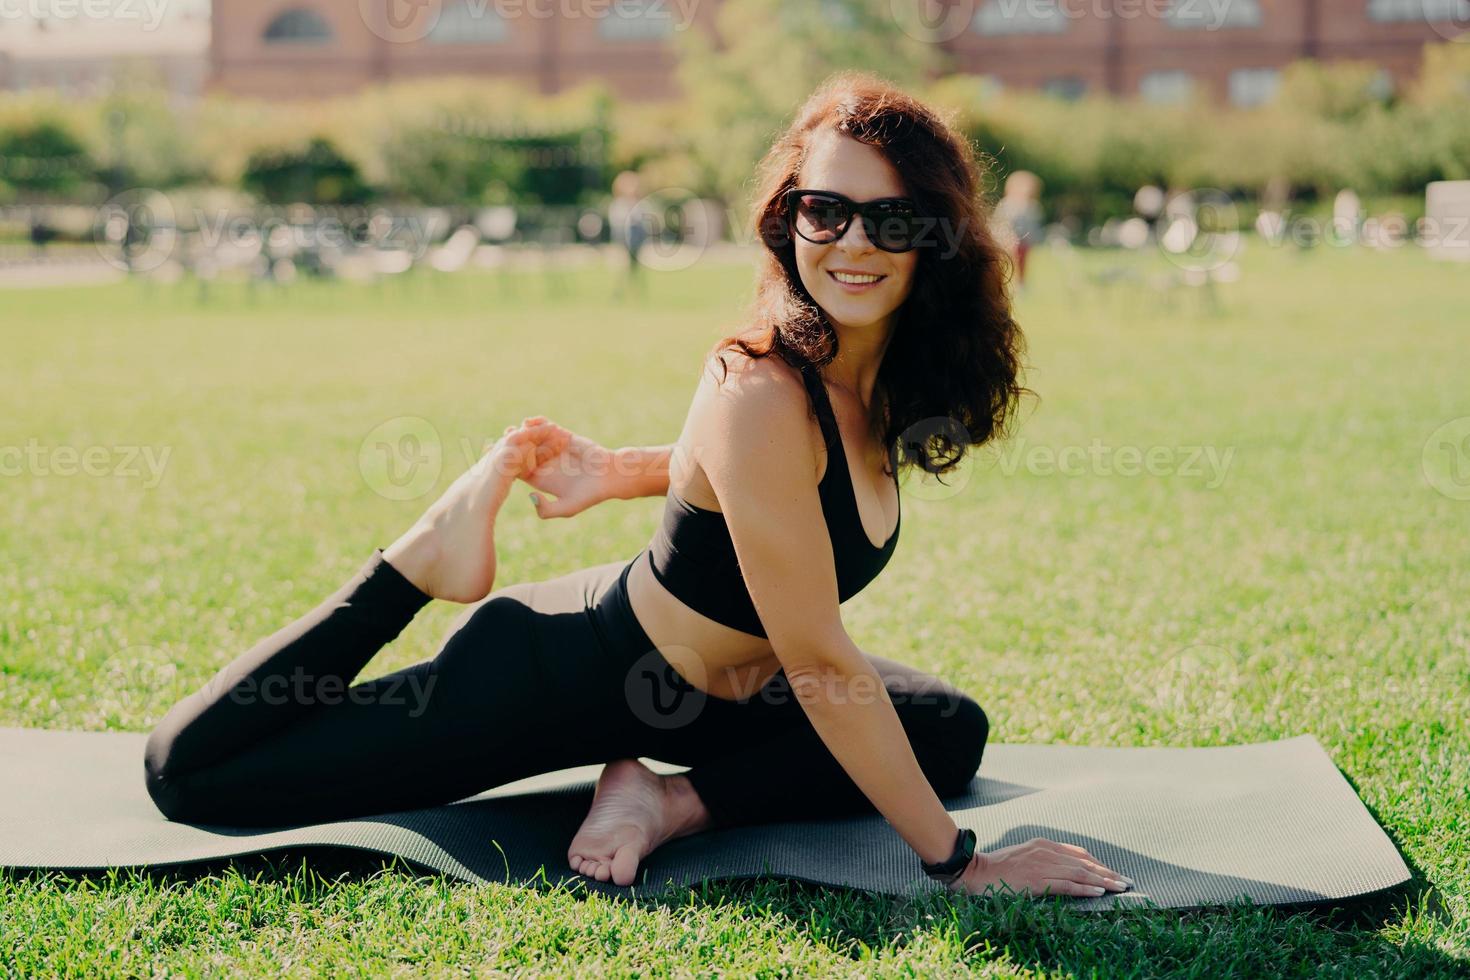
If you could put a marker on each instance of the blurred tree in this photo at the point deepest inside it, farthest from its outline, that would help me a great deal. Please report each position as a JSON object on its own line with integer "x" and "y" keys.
{"x": 1444, "y": 76}
{"x": 773, "y": 53}
{"x": 428, "y": 165}
{"x": 144, "y": 140}
{"x": 1339, "y": 90}
{"x": 319, "y": 174}
{"x": 43, "y": 158}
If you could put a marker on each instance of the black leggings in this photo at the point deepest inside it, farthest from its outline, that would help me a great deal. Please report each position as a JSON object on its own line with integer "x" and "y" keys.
{"x": 542, "y": 676}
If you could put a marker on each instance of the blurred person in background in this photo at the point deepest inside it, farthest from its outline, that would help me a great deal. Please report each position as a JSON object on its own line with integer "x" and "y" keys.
{"x": 1018, "y": 218}
{"x": 628, "y": 219}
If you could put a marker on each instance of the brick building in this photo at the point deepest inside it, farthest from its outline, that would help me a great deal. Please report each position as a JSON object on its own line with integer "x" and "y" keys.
{"x": 1161, "y": 50}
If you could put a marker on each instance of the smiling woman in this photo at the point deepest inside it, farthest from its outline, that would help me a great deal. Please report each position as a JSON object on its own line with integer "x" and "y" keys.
{"x": 860, "y": 149}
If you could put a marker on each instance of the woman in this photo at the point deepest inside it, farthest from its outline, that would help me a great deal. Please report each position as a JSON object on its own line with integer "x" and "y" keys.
{"x": 720, "y": 646}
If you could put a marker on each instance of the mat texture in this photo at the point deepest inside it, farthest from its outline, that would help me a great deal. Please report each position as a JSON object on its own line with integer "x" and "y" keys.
{"x": 1274, "y": 822}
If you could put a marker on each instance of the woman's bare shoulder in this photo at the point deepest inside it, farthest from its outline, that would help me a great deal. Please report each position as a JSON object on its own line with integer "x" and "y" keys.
{"x": 756, "y": 399}
{"x": 744, "y": 375}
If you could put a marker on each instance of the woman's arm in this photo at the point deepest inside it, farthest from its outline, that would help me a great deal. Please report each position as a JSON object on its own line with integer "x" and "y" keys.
{"x": 761, "y": 463}
{"x": 640, "y": 471}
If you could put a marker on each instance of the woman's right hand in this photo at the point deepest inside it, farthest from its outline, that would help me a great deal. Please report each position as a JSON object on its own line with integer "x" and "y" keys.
{"x": 578, "y": 474}
{"x": 1040, "y": 866}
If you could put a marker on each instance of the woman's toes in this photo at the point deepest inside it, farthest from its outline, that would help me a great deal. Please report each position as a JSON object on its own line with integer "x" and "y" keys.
{"x": 625, "y": 865}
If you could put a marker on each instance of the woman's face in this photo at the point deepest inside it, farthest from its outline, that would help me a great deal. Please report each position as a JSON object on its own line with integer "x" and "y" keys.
{"x": 838, "y": 162}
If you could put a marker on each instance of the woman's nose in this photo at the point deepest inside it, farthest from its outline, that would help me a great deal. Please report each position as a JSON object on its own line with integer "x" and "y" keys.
{"x": 855, "y": 238}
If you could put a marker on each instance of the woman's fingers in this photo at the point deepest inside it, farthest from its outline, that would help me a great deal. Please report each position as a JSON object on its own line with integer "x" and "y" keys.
{"x": 1083, "y": 876}
{"x": 1082, "y": 853}
{"x": 1063, "y": 886}
{"x": 565, "y": 506}
{"x": 1107, "y": 872}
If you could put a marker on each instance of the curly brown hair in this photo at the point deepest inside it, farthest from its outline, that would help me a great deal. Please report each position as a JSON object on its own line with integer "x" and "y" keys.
{"x": 949, "y": 374}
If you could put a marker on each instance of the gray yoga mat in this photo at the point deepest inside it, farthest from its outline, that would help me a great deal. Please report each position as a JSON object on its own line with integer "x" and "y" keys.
{"x": 1274, "y": 822}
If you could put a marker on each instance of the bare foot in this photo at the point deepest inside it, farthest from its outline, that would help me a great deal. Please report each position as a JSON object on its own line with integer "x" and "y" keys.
{"x": 449, "y": 553}
{"x": 634, "y": 811}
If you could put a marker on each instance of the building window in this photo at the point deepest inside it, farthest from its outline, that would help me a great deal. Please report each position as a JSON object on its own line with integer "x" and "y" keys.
{"x": 298, "y": 26}
{"x": 464, "y": 23}
{"x": 1211, "y": 15}
{"x": 1019, "y": 17}
{"x": 1422, "y": 10}
{"x": 1069, "y": 87}
{"x": 637, "y": 20}
{"x": 1253, "y": 86}
{"x": 1166, "y": 86}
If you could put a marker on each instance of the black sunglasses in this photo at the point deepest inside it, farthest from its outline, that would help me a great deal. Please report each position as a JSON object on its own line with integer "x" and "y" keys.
{"x": 821, "y": 217}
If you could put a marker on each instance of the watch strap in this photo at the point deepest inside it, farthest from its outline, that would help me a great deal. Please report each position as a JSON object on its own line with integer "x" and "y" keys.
{"x": 952, "y": 867}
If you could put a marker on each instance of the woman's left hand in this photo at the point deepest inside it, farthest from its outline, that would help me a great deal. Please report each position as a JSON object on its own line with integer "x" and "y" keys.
{"x": 576, "y": 470}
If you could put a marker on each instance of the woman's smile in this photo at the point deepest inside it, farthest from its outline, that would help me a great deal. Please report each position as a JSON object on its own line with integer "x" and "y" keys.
{"x": 855, "y": 282}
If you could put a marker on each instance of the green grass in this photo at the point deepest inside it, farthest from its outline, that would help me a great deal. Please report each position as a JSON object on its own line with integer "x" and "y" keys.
{"x": 1319, "y": 587}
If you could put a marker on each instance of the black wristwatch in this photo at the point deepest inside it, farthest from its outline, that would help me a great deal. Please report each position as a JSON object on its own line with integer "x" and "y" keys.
{"x": 952, "y": 867}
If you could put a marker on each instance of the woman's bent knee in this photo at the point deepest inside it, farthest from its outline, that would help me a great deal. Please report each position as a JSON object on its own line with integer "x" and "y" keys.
{"x": 971, "y": 731}
{"x": 168, "y": 787}
{"x": 957, "y": 732}
{"x": 159, "y": 777}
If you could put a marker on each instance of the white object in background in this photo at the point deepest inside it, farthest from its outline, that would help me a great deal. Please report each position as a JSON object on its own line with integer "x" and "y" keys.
{"x": 1446, "y": 232}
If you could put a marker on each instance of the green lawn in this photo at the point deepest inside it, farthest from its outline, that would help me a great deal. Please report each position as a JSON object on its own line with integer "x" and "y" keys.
{"x": 1313, "y": 580}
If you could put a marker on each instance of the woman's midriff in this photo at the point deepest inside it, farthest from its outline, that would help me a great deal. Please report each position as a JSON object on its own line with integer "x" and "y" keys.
{"x": 712, "y": 657}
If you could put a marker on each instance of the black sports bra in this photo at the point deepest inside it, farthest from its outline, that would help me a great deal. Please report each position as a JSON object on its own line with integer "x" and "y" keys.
{"x": 693, "y": 557}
